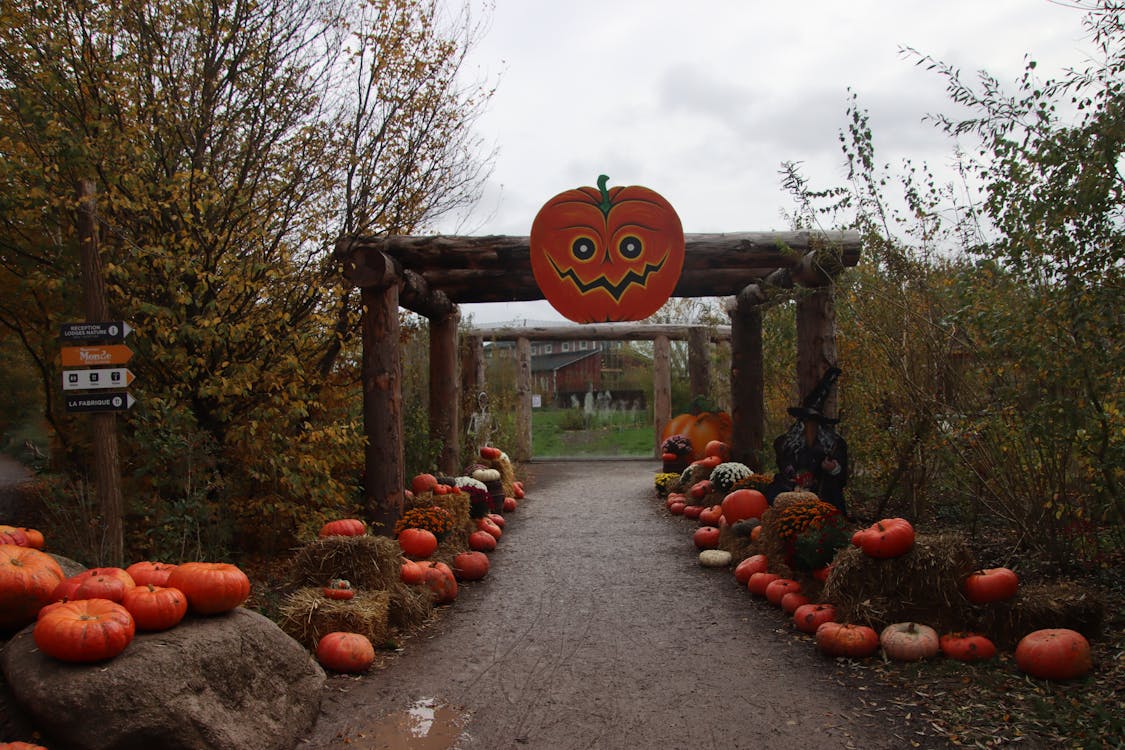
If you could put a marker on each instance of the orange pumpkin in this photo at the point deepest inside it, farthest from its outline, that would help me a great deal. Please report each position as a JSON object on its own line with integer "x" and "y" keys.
{"x": 211, "y": 588}
{"x": 155, "y": 607}
{"x": 470, "y": 566}
{"x": 742, "y": 504}
{"x": 748, "y": 567}
{"x": 780, "y": 587}
{"x": 85, "y": 631}
{"x": 809, "y": 617}
{"x": 28, "y": 579}
{"x": 419, "y": 543}
{"x": 603, "y": 254}
{"x": 846, "y": 639}
{"x": 967, "y": 646}
{"x": 700, "y": 430}
{"x": 345, "y": 652}
{"x": 150, "y": 571}
{"x": 758, "y": 582}
{"x": 1054, "y": 654}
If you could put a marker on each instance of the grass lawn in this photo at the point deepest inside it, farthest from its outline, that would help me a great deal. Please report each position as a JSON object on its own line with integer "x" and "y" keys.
{"x": 569, "y": 432}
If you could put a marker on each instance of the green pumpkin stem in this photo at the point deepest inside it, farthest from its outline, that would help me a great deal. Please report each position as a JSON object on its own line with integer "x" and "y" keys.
{"x": 606, "y": 204}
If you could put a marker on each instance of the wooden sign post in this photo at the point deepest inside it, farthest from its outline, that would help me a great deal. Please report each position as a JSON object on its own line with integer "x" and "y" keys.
{"x": 106, "y": 472}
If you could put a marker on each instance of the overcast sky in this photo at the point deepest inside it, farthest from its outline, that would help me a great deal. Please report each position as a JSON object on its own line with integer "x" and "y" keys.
{"x": 702, "y": 100}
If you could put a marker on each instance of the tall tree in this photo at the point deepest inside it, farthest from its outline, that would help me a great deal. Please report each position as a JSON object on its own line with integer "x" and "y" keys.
{"x": 232, "y": 141}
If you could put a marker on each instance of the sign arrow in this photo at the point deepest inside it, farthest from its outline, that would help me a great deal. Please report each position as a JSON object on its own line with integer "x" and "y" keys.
{"x": 111, "y": 377}
{"x": 85, "y": 356}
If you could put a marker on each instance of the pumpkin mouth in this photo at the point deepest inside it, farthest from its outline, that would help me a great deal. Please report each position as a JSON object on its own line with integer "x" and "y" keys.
{"x": 617, "y": 291}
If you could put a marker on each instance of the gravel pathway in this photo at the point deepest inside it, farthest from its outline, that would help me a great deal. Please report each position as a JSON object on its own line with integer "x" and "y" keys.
{"x": 596, "y": 628}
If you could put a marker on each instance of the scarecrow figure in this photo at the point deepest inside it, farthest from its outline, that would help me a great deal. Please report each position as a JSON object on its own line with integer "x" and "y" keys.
{"x": 810, "y": 454}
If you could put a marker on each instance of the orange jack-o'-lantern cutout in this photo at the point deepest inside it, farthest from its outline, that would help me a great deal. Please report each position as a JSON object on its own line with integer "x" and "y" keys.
{"x": 603, "y": 254}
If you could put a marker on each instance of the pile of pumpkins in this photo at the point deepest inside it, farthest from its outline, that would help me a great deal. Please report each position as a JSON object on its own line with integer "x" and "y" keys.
{"x": 94, "y": 615}
{"x": 353, "y": 652}
{"x": 1053, "y": 653}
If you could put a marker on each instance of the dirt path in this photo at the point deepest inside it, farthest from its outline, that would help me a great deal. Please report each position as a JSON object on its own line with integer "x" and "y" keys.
{"x": 12, "y": 473}
{"x": 597, "y": 629}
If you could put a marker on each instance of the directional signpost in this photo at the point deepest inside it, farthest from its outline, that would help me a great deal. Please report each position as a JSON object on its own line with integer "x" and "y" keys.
{"x": 96, "y": 359}
{"x": 114, "y": 331}
{"x": 83, "y": 380}
{"x": 100, "y": 402}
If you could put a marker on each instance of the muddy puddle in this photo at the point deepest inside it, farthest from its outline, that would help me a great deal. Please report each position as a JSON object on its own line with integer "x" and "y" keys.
{"x": 428, "y": 724}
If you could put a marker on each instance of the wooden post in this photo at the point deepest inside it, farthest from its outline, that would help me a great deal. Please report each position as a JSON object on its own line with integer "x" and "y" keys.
{"x": 445, "y": 422}
{"x": 523, "y": 399}
{"x": 472, "y": 379}
{"x": 747, "y": 385}
{"x": 699, "y": 361}
{"x": 816, "y": 342}
{"x": 107, "y": 475}
{"x": 385, "y": 473}
{"x": 661, "y": 388}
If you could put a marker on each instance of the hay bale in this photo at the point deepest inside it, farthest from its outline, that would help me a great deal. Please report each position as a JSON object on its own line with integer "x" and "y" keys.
{"x": 409, "y": 606}
{"x": 785, "y": 499}
{"x": 507, "y": 473}
{"x": 921, "y": 586}
{"x": 739, "y": 547}
{"x": 369, "y": 562}
{"x": 307, "y": 616}
{"x": 1039, "y": 606}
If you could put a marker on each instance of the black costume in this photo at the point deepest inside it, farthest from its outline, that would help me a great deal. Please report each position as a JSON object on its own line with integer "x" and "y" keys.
{"x": 799, "y": 463}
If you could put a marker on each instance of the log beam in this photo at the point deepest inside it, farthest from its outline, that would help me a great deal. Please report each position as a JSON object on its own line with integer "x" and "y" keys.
{"x": 816, "y": 342}
{"x": 747, "y": 386}
{"x": 661, "y": 388}
{"x": 445, "y": 421}
{"x": 699, "y": 362}
{"x": 523, "y": 400}
{"x": 498, "y": 268}
{"x": 600, "y": 332}
{"x": 472, "y": 380}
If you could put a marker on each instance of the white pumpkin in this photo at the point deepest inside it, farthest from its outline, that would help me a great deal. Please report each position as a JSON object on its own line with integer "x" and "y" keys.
{"x": 714, "y": 558}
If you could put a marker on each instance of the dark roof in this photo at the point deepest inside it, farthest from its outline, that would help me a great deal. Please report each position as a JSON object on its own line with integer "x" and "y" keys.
{"x": 552, "y": 362}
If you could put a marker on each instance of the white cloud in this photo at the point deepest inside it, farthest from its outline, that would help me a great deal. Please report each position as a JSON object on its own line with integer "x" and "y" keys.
{"x": 702, "y": 101}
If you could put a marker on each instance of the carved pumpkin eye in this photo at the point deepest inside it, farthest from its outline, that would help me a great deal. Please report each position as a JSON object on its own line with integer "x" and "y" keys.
{"x": 630, "y": 247}
{"x": 583, "y": 248}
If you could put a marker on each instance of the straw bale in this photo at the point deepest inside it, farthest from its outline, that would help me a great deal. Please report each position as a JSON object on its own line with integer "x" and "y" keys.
{"x": 739, "y": 547}
{"x": 785, "y": 499}
{"x": 307, "y": 616}
{"x": 1037, "y": 606}
{"x": 409, "y": 606}
{"x": 368, "y": 562}
{"x": 507, "y": 473}
{"x": 921, "y": 586}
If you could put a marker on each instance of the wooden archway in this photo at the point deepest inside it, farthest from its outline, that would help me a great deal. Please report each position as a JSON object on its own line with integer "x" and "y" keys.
{"x": 431, "y": 276}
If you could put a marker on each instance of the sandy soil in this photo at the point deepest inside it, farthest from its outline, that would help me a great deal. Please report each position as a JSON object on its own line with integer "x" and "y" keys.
{"x": 598, "y": 629}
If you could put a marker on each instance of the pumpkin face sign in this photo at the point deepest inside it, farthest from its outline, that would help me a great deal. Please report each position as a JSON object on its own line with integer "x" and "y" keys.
{"x": 607, "y": 254}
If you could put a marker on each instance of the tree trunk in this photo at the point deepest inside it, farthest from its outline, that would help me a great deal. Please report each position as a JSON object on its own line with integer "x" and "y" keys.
{"x": 106, "y": 472}
{"x": 384, "y": 473}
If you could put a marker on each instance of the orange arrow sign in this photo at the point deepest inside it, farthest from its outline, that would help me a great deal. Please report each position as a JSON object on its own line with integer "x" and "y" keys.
{"x": 86, "y": 356}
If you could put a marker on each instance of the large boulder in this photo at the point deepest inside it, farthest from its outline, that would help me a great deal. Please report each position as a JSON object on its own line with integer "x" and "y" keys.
{"x": 233, "y": 681}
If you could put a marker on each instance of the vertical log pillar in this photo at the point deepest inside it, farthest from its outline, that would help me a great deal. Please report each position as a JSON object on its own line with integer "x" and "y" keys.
{"x": 699, "y": 361}
{"x": 661, "y": 388}
{"x": 384, "y": 470}
{"x": 816, "y": 342}
{"x": 445, "y": 421}
{"x": 472, "y": 379}
{"x": 523, "y": 399}
{"x": 106, "y": 472}
{"x": 747, "y": 385}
